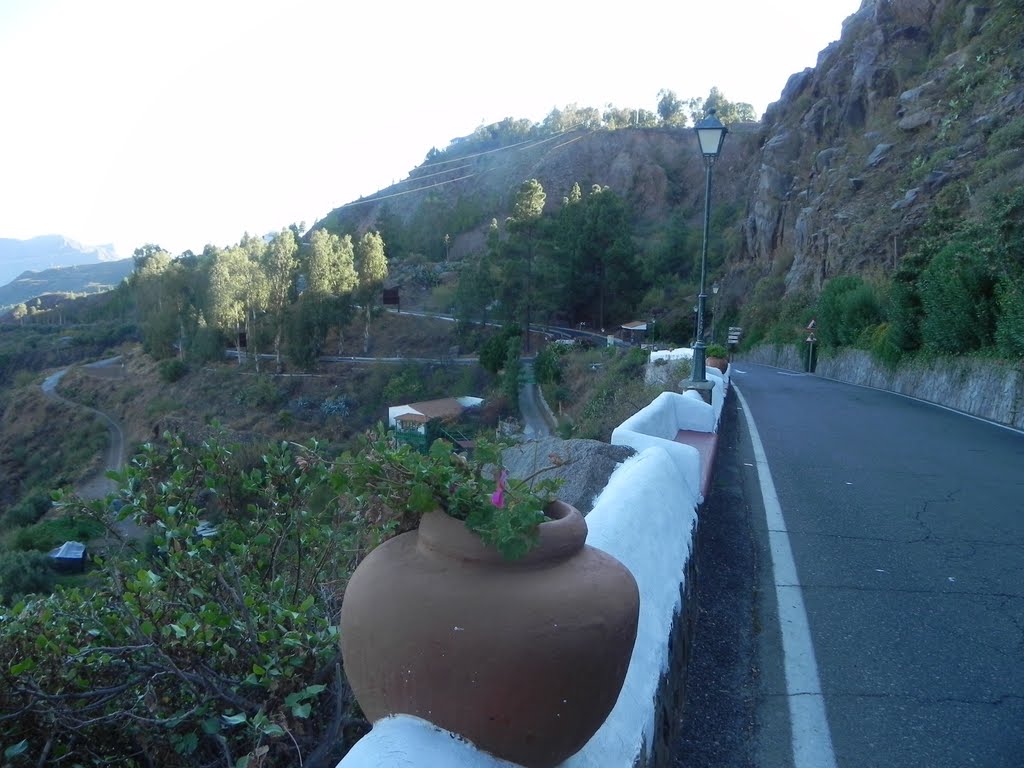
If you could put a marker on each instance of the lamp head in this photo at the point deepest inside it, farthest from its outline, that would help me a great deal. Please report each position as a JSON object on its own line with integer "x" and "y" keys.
{"x": 711, "y": 134}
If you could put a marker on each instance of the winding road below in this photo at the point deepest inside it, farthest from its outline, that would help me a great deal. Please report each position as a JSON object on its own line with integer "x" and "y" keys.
{"x": 99, "y": 485}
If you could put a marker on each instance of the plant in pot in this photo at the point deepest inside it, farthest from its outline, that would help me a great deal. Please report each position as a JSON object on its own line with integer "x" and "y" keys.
{"x": 485, "y": 612}
{"x": 717, "y": 356}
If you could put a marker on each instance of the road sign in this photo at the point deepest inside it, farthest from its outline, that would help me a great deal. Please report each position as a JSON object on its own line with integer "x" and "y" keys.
{"x": 734, "y": 334}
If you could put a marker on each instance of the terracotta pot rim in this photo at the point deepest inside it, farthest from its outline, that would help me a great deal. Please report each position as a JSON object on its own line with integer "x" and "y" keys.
{"x": 560, "y": 537}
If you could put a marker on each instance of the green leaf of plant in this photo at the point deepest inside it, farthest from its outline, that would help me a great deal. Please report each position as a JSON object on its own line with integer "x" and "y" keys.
{"x": 301, "y": 710}
{"x": 186, "y": 744}
{"x": 238, "y": 719}
{"x": 23, "y": 666}
{"x": 16, "y": 749}
{"x": 420, "y": 498}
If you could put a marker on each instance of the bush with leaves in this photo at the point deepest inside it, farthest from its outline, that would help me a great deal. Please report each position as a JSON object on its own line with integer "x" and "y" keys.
{"x": 958, "y": 297}
{"x": 46, "y": 535}
{"x": 24, "y": 573}
{"x": 211, "y": 651}
{"x": 172, "y": 370}
{"x": 494, "y": 352}
{"x": 32, "y": 506}
{"x": 547, "y": 366}
{"x": 1010, "y": 326}
{"x": 846, "y": 307}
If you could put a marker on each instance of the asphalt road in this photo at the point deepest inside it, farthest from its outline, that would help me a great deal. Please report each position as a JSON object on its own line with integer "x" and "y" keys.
{"x": 906, "y": 524}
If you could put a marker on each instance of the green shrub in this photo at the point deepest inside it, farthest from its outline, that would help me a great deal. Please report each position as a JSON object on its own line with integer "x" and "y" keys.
{"x": 172, "y": 370}
{"x": 27, "y": 511}
{"x": 207, "y": 345}
{"x": 1009, "y": 136}
{"x": 547, "y": 366}
{"x": 161, "y": 406}
{"x": 52, "y": 533}
{"x": 905, "y": 312}
{"x": 879, "y": 341}
{"x": 260, "y": 392}
{"x": 957, "y": 295}
{"x": 24, "y": 573}
{"x": 25, "y": 378}
{"x": 494, "y": 351}
{"x": 257, "y": 605}
{"x": 847, "y": 305}
{"x": 716, "y": 350}
{"x": 404, "y": 387}
{"x": 1010, "y": 325}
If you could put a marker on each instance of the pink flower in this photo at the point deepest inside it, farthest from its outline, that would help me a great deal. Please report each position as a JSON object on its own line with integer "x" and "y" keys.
{"x": 498, "y": 497}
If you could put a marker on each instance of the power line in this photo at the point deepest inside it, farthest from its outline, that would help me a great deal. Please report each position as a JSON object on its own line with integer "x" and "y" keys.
{"x": 519, "y": 146}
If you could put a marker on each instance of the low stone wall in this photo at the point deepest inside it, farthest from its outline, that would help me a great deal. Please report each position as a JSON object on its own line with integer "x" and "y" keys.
{"x": 992, "y": 390}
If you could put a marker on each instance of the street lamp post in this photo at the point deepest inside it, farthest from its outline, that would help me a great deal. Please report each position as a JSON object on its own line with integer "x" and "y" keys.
{"x": 710, "y": 134}
{"x": 714, "y": 308}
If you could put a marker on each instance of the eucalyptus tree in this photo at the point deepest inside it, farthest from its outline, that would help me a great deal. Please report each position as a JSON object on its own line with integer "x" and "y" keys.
{"x": 153, "y": 298}
{"x": 238, "y": 294}
{"x": 727, "y": 111}
{"x": 280, "y": 264}
{"x": 372, "y": 268}
{"x": 330, "y": 280}
{"x": 670, "y": 109}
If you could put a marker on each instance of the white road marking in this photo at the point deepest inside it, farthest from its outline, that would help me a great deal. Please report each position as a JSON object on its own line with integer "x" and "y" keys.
{"x": 811, "y": 738}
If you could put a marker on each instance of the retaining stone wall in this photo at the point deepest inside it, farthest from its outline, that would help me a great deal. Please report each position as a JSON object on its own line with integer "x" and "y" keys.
{"x": 989, "y": 389}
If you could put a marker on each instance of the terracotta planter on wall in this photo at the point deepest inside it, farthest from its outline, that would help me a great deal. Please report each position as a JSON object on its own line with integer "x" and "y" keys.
{"x": 523, "y": 658}
{"x": 720, "y": 363}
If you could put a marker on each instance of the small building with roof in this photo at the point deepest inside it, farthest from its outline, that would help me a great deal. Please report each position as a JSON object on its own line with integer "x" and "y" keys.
{"x": 69, "y": 557}
{"x": 634, "y": 332}
{"x": 419, "y": 424}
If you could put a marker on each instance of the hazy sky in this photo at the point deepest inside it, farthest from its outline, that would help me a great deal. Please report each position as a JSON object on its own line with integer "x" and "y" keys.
{"x": 191, "y": 122}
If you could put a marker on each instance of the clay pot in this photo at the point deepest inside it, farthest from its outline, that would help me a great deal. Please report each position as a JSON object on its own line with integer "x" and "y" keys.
{"x": 720, "y": 363}
{"x": 523, "y": 658}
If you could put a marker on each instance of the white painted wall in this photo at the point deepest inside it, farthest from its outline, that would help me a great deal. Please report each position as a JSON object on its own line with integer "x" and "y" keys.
{"x": 645, "y": 517}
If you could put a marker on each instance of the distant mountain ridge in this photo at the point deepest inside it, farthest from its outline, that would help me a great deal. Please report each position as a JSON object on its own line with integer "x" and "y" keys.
{"x": 47, "y": 252}
{"x": 77, "y": 279}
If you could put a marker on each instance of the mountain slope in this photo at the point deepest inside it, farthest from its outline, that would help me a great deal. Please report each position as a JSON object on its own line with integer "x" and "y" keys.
{"x": 45, "y": 252}
{"x": 83, "y": 278}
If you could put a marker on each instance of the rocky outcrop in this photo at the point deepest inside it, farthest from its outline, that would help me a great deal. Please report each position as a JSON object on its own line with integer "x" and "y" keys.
{"x": 582, "y": 466}
{"x": 859, "y": 148}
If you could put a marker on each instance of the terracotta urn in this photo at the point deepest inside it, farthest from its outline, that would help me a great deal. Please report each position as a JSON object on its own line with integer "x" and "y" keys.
{"x": 720, "y": 363}
{"x": 523, "y": 658}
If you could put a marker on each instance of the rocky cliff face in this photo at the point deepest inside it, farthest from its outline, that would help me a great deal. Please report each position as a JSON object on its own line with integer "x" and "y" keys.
{"x": 920, "y": 102}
